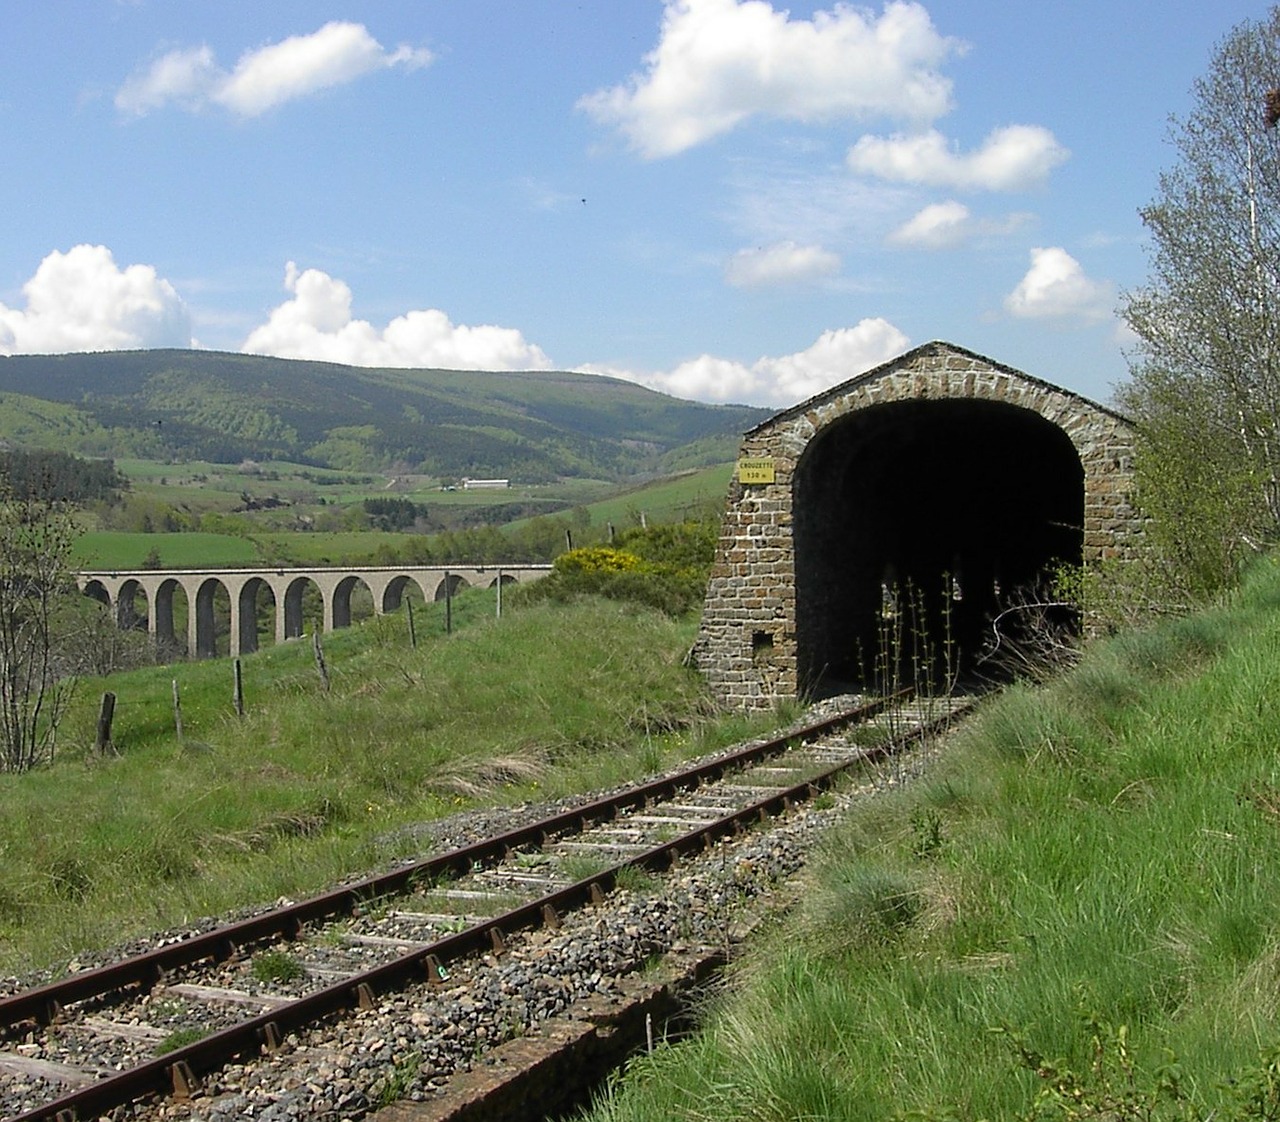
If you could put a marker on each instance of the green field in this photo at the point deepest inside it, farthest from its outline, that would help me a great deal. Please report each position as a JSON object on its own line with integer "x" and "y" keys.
{"x": 107, "y": 550}
{"x": 222, "y": 484}
{"x": 691, "y": 494}
{"x": 694, "y": 495}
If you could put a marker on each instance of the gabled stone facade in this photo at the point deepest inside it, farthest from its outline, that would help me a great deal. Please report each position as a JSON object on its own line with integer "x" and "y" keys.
{"x": 754, "y": 623}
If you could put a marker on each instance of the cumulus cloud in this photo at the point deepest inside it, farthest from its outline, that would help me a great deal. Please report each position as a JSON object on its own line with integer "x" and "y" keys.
{"x": 1056, "y": 286}
{"x": 1013, "y": 158}
{"x": 82, "y": 301}
{"x": 316, "y": 323}
{"x": 296, "y": 67}
{"x": 184, "y": 77}
{"x": 720, "y": 62}
{"x": 950, "y": 224}
{"x": 783, "y": 263}
{"x": 939, "y": 226}
{"x": 835, "y": 357}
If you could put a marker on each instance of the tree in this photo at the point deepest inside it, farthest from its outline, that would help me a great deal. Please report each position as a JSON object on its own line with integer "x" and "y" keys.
{"x": 36, "y": 534}
{"x": 1205, "y": 378}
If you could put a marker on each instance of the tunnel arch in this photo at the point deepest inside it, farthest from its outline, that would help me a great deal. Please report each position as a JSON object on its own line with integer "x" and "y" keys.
{"x": 924, "y": 516}
{"x": 936, "y": 465}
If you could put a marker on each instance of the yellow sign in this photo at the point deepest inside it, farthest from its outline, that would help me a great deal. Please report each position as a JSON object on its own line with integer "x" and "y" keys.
{"x": 755, "y": 471}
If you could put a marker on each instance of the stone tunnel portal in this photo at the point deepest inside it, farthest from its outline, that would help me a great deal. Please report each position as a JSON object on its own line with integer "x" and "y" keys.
{"x": 915, "y": 522}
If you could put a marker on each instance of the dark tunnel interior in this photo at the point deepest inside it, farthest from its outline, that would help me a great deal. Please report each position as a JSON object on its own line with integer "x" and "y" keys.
{"x": 915, "y": 524}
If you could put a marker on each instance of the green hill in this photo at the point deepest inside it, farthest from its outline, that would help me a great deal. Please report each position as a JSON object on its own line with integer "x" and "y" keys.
{"x": 175, "y": 405}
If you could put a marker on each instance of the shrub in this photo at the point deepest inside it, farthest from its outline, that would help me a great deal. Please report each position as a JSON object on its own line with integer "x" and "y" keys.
{"x": 664, "y": 568}
{"x": 676, "y": 545}
{"x": 593, "y": 560}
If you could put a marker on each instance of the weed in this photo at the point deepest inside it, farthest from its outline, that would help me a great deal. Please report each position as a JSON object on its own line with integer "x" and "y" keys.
{"x": 634, "y": 879}
{"x": 277, "y": 966}
{"x": 926, "y": 830}
{"x": 583, "y": 866}
{"x": 1114, "y": 1087}
{"x": 70, "y": 877}
{"x": 398, "y": 1081}
{"x": 180, "y": 1038}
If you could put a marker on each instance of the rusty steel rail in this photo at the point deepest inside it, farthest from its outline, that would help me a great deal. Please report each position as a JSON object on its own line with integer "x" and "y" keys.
{"x": 177, "y": 1071}
{"x": 43, "y": 1003}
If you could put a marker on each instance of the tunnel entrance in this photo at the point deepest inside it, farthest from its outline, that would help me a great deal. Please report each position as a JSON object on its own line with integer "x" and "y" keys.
{"x": 915, "y": 523}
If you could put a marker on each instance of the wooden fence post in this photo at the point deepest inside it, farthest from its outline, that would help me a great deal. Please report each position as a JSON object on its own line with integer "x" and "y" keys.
{"x": 320, "y": 666}
{"x": 103, "y": 745}
{"x": 177, "y": 709}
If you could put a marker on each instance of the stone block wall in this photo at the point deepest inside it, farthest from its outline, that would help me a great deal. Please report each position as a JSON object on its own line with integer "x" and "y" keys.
{"x": 747, "y": 641}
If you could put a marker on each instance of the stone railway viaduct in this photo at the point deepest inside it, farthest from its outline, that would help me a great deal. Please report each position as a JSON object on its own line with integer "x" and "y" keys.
{"x": 388, "y": 585}
{"x": 940, "y": 478}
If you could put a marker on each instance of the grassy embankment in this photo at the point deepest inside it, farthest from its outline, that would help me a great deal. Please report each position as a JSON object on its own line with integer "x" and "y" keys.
{"x": 311, "y": 786}
{"x": 1105, "y": 850}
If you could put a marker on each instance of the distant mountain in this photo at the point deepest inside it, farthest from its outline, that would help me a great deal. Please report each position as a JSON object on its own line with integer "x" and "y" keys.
{"x": 205, "y": 405}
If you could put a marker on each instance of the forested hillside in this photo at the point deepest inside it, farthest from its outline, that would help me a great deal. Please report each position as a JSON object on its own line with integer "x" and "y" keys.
{"x": 200, "y": 405}
{"x": 59, "y": 476}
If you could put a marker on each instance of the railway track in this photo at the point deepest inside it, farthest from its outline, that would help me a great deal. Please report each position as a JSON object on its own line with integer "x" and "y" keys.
{"x": 158, "y": 1027}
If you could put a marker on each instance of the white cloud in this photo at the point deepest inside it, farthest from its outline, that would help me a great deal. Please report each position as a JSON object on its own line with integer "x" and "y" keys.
{"x": 334, "y": 55}
{"x": 783, "y": 263}
{"x": 835, "y": 357}
{"x": 1013, "y": 158}
{"x": 1056, "y": 286}
{"x": 316, "y": 324}
{"x": 950, "y": 224}
{"x": 82, "y": 301}
{"x": 185, "y": 77}
{"x": 940, "y": 226}
{"x": 720, "y": 62}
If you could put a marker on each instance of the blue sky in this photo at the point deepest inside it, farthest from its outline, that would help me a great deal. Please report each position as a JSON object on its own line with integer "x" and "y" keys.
{"x": 726, "y": 200}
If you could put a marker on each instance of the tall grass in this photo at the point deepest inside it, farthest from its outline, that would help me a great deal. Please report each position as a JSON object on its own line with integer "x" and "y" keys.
{"x": 311, "y": 786}
{"x": 1101, "y": 878}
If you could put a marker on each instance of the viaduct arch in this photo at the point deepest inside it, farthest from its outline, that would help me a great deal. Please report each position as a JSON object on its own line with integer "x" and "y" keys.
{"x": 918, "y": 495}
{"x": 286, "y": 587}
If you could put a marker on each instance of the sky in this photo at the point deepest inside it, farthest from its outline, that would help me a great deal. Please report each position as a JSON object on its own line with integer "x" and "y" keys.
{"x": 724, "y": 200}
